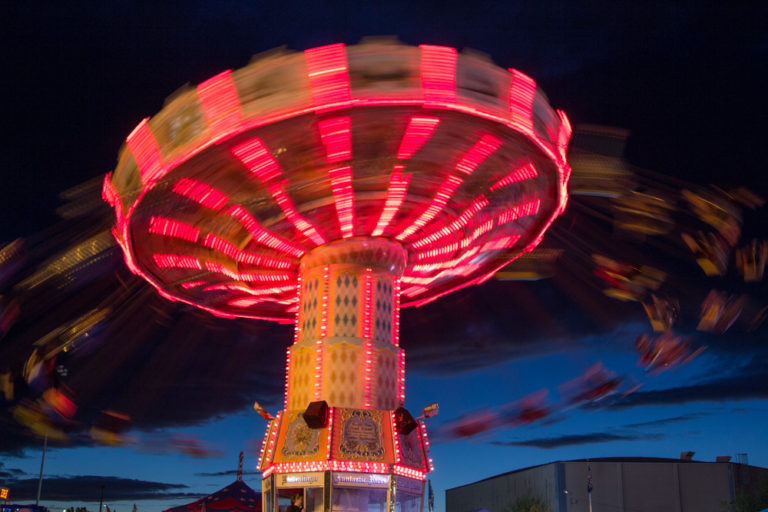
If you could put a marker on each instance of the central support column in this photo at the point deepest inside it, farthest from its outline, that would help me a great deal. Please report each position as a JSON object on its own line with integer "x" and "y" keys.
{"x": 346, "y": 348}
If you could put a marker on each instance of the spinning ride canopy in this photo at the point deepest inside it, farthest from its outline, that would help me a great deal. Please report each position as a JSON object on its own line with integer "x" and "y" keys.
{"x": 220, "y": 195}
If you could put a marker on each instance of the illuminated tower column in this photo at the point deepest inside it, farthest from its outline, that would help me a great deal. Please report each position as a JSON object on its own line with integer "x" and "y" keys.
{"x": 346, "y": 350}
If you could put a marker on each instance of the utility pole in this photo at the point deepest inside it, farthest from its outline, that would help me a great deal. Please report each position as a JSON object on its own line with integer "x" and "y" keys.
{"x": 101, "y": 498}
{"x": 42, "y": 463}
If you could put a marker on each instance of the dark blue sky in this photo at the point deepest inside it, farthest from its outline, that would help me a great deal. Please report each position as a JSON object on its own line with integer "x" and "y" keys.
{"x": 687, "y": 82}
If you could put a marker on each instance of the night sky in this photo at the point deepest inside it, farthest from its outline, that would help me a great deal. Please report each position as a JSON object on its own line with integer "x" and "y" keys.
{"x": 687, "y": 82}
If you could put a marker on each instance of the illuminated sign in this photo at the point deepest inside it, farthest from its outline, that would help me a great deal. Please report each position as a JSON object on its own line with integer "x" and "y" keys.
{"x": 300, "y": 480}
{"x": 360, "y": 480}
{"x": 409, "y": 485}
{"x": 3, "y": 493}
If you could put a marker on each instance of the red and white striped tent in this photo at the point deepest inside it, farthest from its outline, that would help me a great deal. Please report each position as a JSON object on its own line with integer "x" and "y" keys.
{"x": 237, "y": 496}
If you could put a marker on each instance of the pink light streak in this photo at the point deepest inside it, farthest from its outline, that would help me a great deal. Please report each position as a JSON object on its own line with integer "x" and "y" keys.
{"x": 259, "y": 277}
{"x": 255, "y": 155}
{"x": 443, "y": 194}
{"x": 143, "y": 146}
{"x": 290, "y": 212}
{"x": 398, "y": 186}
{"x": 327, "y": 73}
{"x": 522, "y": 91}
{"x": 343, "y": 195}
{"x": 521, "y": 210}
{"x": 337, "y": 138}
{"x": 419, "y": 130}
{"x": 478, "y": 153}
{"x": 219, "y": 244}
{"x": 460, "y": 222}
{"x": 522, "y": 173}
{"x": 438, "y": 73}
{"x": 176, "y": 261}
{"x": 192, "y": 284}
{"x": 202, "y": 193}
{"x": 504, "y": 242}
{"x": 173, "y": 229}
{"x": 261, "y": 235}
{"x": 220, "y": 102}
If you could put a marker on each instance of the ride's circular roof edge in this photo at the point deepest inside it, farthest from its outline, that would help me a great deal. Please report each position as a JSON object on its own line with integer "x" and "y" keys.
{"x": 327, "y": 81}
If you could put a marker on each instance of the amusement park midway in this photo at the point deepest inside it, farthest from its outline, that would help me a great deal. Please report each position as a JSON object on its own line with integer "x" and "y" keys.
{"x": 281, "y": 181}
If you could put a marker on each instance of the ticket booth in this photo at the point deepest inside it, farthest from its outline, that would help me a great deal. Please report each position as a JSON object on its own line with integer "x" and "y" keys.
{"x": 357, "y": 462}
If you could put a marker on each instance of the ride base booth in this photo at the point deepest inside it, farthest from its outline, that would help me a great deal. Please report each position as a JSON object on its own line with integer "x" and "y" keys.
{"x": 357, "y": 460}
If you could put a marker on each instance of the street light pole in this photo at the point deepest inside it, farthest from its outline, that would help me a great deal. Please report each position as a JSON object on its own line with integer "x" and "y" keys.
{"x": 42, "y": 463}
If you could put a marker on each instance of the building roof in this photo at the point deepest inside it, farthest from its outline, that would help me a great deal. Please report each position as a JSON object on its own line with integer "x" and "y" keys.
{"x": 600, "y": 459}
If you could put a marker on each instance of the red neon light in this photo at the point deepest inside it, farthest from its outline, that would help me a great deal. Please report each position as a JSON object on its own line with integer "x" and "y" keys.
{"x": 110, "y": 195}
{"x": 448, "y": 267}
{"x": 521, "y": 210}
{"x": 143, "y": 146}
{"x": 288, "y": 362}
{"x": 324, "y": 303}
{"x": 260, "y": 234}
{"x": 219, "y": 244}
{"x": 438, "y": 252}
{"x": 192, "y": 284}
{"x": 343, "y": 195}
{"x": 264, "y": 444}
{"x": 401, "y": 376}
{"x": 438, "y": 73}
{"x": 337, "y": 138}
{"x": 247, "y": 302}
{"x": 318, "y": 367}
{"x": 202, "y": 193}
{"x": 256, "y": 292}
{"x": 368, "y": 343}
{"x": 443, "y": 194}
{"x": 396, "y": 437}
{"x": 504, "y": 242}
{"x": 367, "y": 374}
{"x": 477, "y": 153}
{"x": 220, "y": 102}
{"x": 327, "y": 72}
{"x": 329, "y": 443}
{"x": 409, "y": 472}
{"x": 419, "y": 130}
{"x": 258, "y": 277}
{"x": 522, "y": 173}
{"x": 477, "y": 233}
{"x": 396, "y": 313}
{"x": 367, "y": 302}
{"x": 461, "y": 221}
{"x": 563, "y": 136}
{"x": 176, "y": 261}
{"x": 173, "y": 229}
{"x": 297, "y": 323}
{"x": 398, "y": 186}
{"x": 423, "y": 431}
{"x": 255, "y": 155}
{"x": 290, "y": 212}
{"x": 412, "y": 291}
{"x": 522, "y": 91}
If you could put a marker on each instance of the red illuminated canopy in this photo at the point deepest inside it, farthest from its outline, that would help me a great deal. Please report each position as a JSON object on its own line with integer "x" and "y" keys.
{"x": 219, "y": 195}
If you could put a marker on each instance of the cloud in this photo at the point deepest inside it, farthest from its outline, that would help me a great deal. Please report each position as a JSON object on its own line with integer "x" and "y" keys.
{"x": 747, "y": 382}
{"x": 578, "y": 439}
{"x": 665, "y": 421}
{"x": 10, "y": 472}
{"x": 87, "y": 488}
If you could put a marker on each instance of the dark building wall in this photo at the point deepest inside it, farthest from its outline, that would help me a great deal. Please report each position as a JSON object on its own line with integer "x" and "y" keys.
{"x": 655, "y": 485}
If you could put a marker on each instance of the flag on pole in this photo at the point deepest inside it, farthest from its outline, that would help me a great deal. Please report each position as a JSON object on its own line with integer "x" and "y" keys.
{"x": 431, "y": 499}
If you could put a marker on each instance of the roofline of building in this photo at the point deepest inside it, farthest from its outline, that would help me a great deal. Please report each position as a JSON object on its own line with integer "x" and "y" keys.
{"x": 606, "y": 459}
